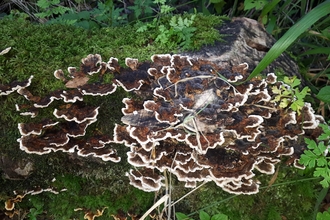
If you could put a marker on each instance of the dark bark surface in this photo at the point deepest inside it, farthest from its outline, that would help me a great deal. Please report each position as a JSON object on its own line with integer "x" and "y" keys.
{"x": 245, "y": 41}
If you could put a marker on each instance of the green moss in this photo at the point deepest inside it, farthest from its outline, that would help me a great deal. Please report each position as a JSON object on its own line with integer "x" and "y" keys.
{"x": 207, "y": 32}
{"x": 93, "y": 194}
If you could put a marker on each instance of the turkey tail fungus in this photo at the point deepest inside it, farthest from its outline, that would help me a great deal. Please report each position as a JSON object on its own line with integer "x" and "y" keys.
{"x": 198, "y": 121}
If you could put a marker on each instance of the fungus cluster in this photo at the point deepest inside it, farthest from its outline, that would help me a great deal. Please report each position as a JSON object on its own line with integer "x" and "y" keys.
{"x": 199, "y": 121}
{"x": 204, "y": 123}
{"x": 6, "y": 89}
{"x": 65, "y": 133}
{"x": 89, "y": 215}
{"x": 10, "y": 203}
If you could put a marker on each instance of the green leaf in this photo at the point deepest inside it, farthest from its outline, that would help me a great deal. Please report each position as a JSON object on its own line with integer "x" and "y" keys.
{"x": 84, "y": 15}
{"x": 292, "y": 81}
{"x": 325, "y": 173}
{"x": 181, "y": 216}
{"x": 319, "y": 150}
{"x": 323, "y": 215}
{"x": 204, "y": 216}
{"x": 324, "y": 183}
{"x": 143, "y": 28}
{"x": 308, "y": 159}
{"x": 324, "y": 94}
{"x": 59, "y": 10}
{"x": 291, "y": 35}
{"x": 83, "y": 24}
{"x": 302, "y": 94}
{"x": 269, "y": 7}
{"x": 326, "y": 132}
{"x": 219, "y": 217}
{"x": 173, "y": 21}
{"x": 326, "y": 32}
{"x": 284, "y": 103}
{"x": 162, "y": 2}
{"x": 320, "y": 171}
{"x": 296, "y": 82}
{"x": 321, "y": 161}
{"x": 257, "y": 4}
{"x": 44, "y": 4}
{"x": 276, "y": 90}
{"x": 323, "y": 137}
{"x": 311, "y": 143}
{"x": 297, "y": 105}
{"x": 310, "y": 154}
{"x": 165, "y": 9}
{"x": 318, "y": 50}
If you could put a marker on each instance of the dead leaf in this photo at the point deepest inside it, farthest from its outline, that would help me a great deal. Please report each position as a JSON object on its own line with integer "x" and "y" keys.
{"x": 76, "y": 82}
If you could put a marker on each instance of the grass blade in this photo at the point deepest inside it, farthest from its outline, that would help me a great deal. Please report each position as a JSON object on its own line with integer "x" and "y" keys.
{"x": 320, "y": 198}
{"x": 291, "y": 35}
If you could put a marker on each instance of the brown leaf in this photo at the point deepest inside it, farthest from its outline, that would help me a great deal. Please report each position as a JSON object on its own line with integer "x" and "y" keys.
{"x": 77, "y": 81}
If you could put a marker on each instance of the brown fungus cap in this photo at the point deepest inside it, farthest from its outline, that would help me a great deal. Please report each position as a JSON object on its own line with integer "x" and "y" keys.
{"x": 221, "y": 132}
{"x": 197, "y": 120}
{"x": 71, "y": 96}
{"x": 145, "y": 179}
{"x": 96, "y": 147}
{"x": 48, "y": 99}
{"x": 51, "y": 139}
{"x": 10, "y": 203}
{"x": 98, "y": 89}
{"x": 72, "y": 117}
{"x": 77, "y": 113}
{"x": 34, "y": 128}
{"x": 129, "y": 83}
{"x": 14, "y": 86}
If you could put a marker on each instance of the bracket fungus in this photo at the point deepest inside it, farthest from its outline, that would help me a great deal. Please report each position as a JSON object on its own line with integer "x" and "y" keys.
{"x": 199, "y": 121}
{"x": 14, "y": 86}
{"x": 66, "y": 132}
{"x": 10, "y": 203}
{"x": 205, "y": 123}
{"x": 90, "y": 215}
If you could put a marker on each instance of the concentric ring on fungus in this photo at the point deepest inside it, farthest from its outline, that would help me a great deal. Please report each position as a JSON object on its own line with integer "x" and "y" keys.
{"x": 225, "y": 131}
{"x": 188, "y": 116}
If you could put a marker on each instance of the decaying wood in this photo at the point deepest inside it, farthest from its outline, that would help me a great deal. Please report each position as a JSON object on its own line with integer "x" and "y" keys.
{"x": 245, "y": 40}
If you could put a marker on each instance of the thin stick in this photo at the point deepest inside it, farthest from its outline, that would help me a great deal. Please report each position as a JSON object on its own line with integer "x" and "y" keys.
{"x": 158, "y": 203}
{"x": 170, "y": 191}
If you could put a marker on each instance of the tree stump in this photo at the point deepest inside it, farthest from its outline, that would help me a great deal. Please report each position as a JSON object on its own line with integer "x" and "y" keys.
{"x": 245, "y": 41}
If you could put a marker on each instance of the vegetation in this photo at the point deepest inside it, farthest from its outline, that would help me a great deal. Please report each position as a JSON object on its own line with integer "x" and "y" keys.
{"x": 46, "y": 35}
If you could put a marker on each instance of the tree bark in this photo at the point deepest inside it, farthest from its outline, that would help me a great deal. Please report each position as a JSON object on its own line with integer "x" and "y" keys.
{"x": 245, "y": 40}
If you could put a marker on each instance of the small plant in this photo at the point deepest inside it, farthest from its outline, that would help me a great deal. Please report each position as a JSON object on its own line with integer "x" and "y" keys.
{"x": 50, "y": 8}
{"x": 141, "y": 8}
{"x": 179, "y": 31}
{"x": 258, "y": 5}
{"x": 324, "y": 94}
{"x": 316, "y": 156}
{"x": 37, "y": 209}
{"x": 104, "y": 15}
{"x": 291, "y": 96}
{"x": 323, "y": 215}
{"x": 164, "y": 9}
